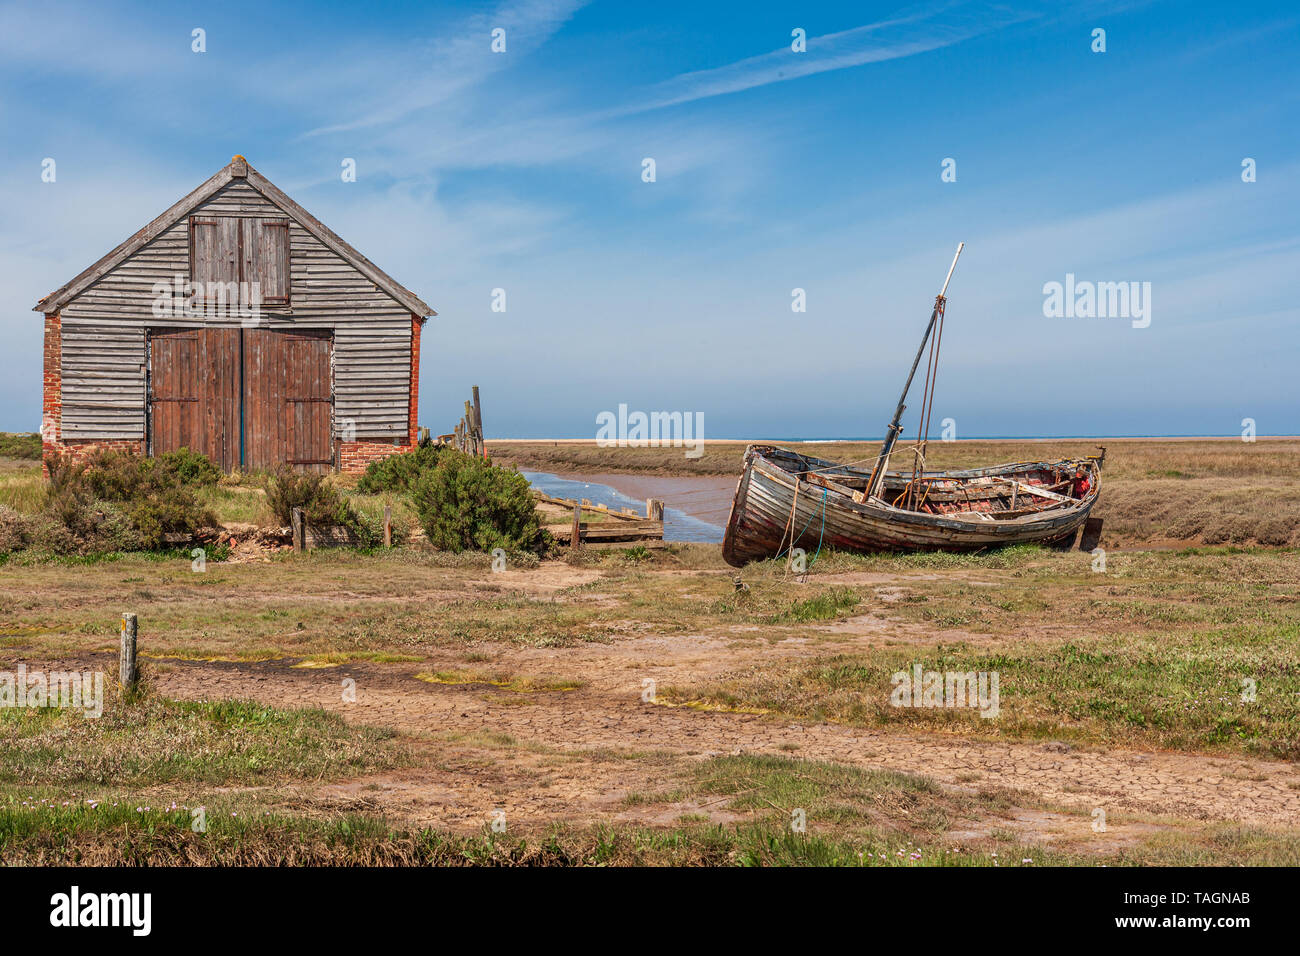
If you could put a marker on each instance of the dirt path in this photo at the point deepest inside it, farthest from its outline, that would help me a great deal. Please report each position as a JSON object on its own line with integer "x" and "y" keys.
{"x": 539, "y": 777}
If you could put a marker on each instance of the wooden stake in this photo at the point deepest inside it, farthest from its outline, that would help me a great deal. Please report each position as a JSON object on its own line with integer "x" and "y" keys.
{"x": 128, "y": 672}
{"x": 575, "y": 539}
{"x": 654, "y": 509}
{"x": 388, "y": 526}
{"x": 299, "y": 530}
{"x": 478, "y": 421}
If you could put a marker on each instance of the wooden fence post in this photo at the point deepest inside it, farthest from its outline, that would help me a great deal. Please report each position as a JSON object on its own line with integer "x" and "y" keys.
{"x": 299, "y": 529}
{"x": 575, "y": 538}
{"x": 128, "y": 673}
{"x": 471, "y": 444}
{"x": 388, "y": 526}
{"x": 478, "y": 423}
{"x": 654, "y": 509}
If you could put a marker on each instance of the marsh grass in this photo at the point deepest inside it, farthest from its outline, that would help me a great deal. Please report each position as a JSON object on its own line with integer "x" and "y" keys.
{"x": 853, "y": 817}
{"x": 152, "y": 741}
{"x": 1125, "y": 458}
{"x": 121, "y": 836}
{"x": 22, "y": 487}
{"x": 825, "y": 606}
{"x": 1183, "y": 694}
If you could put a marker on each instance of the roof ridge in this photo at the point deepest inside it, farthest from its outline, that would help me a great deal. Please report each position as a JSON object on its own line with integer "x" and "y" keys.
{"x": 237, "y": 168}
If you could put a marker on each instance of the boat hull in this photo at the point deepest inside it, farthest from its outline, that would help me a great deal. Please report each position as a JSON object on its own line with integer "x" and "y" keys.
{"x": 775, "y": 510}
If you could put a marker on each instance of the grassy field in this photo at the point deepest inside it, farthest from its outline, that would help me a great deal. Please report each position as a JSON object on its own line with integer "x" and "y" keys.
{"x": 658, "y": 707}
{"x": 475, "y": 673}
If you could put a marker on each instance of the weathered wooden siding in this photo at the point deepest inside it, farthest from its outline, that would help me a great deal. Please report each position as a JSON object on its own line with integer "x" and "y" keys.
{"x": 104, "y": 342}
{"x": 103, "y": 380}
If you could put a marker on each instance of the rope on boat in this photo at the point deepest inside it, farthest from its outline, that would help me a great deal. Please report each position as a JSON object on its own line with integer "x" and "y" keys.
{"x": 796, "y": 537}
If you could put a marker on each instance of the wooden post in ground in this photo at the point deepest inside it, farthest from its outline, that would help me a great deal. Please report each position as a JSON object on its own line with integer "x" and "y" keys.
{"x": 478, "y": 422}
{"x": 654, "y": 509}
{"x": 299, "y": 529}
{"x": 472, "y": 445}
{"x": 128, "y": 673}
{"x": 388, "y": 526}
{"x": 575, "y": 539}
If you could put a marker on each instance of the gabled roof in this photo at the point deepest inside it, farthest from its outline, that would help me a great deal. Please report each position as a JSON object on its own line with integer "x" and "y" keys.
{"x": 237, "y": 169}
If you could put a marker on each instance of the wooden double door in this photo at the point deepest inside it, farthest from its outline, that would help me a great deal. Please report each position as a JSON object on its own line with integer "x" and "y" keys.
{"x": 247, "y": 398}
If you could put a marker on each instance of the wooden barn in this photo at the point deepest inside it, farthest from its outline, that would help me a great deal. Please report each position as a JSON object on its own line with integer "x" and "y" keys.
{"x": 238, "y": 325}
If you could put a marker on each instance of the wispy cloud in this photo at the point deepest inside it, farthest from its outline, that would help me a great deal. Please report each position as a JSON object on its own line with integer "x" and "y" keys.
{"x": 435, "y": 72}
{"x": 917, "y": 31}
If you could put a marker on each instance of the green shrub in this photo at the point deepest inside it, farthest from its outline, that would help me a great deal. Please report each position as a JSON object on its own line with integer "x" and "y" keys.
{"x": 398, "y": 472}
{"x": 118, "y": 501}
{"x": 288, "y": 489}
{"x": 24, "y": 445}
{"x": 322, "y": 504}
{"x": 464, "y": 503}
{"x": 191, "y": 467}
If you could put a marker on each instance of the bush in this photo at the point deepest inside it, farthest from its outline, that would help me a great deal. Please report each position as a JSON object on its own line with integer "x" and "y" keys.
{"x": 21, "y": 532}
{"x": 464, "y": 503}
{"x": 14, "y": 532}
{"x": 288, "y": 489}
{"x": 191, "y": 467}
{"x": 398, "y": 472}
{"x": 118, "y": 501}
{"x": 322, "y": 504}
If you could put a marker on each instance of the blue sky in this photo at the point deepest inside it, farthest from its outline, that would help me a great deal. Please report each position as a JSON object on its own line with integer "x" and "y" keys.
{"x": 775, "y": 170}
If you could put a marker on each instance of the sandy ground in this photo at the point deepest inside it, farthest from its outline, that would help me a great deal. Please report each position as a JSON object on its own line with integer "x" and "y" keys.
{"x": 575, "y": 755}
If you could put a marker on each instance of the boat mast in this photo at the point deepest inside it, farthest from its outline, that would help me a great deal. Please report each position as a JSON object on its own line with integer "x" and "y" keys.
{"x": 895, "y": 426}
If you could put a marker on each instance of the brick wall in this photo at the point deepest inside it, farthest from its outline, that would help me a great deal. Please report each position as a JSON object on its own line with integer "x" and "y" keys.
{"x": 354, "y": 456}
{"x": 79, "y": 449}
{"x": 52, "y": 407}
{"x": 416, "y": 325}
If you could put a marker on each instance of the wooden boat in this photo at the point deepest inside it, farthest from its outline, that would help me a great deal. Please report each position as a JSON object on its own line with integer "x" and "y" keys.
{"x": 785, "y": 500}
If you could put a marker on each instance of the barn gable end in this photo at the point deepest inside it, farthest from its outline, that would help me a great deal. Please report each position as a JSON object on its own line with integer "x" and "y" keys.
{"x": 104, "y": 319}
